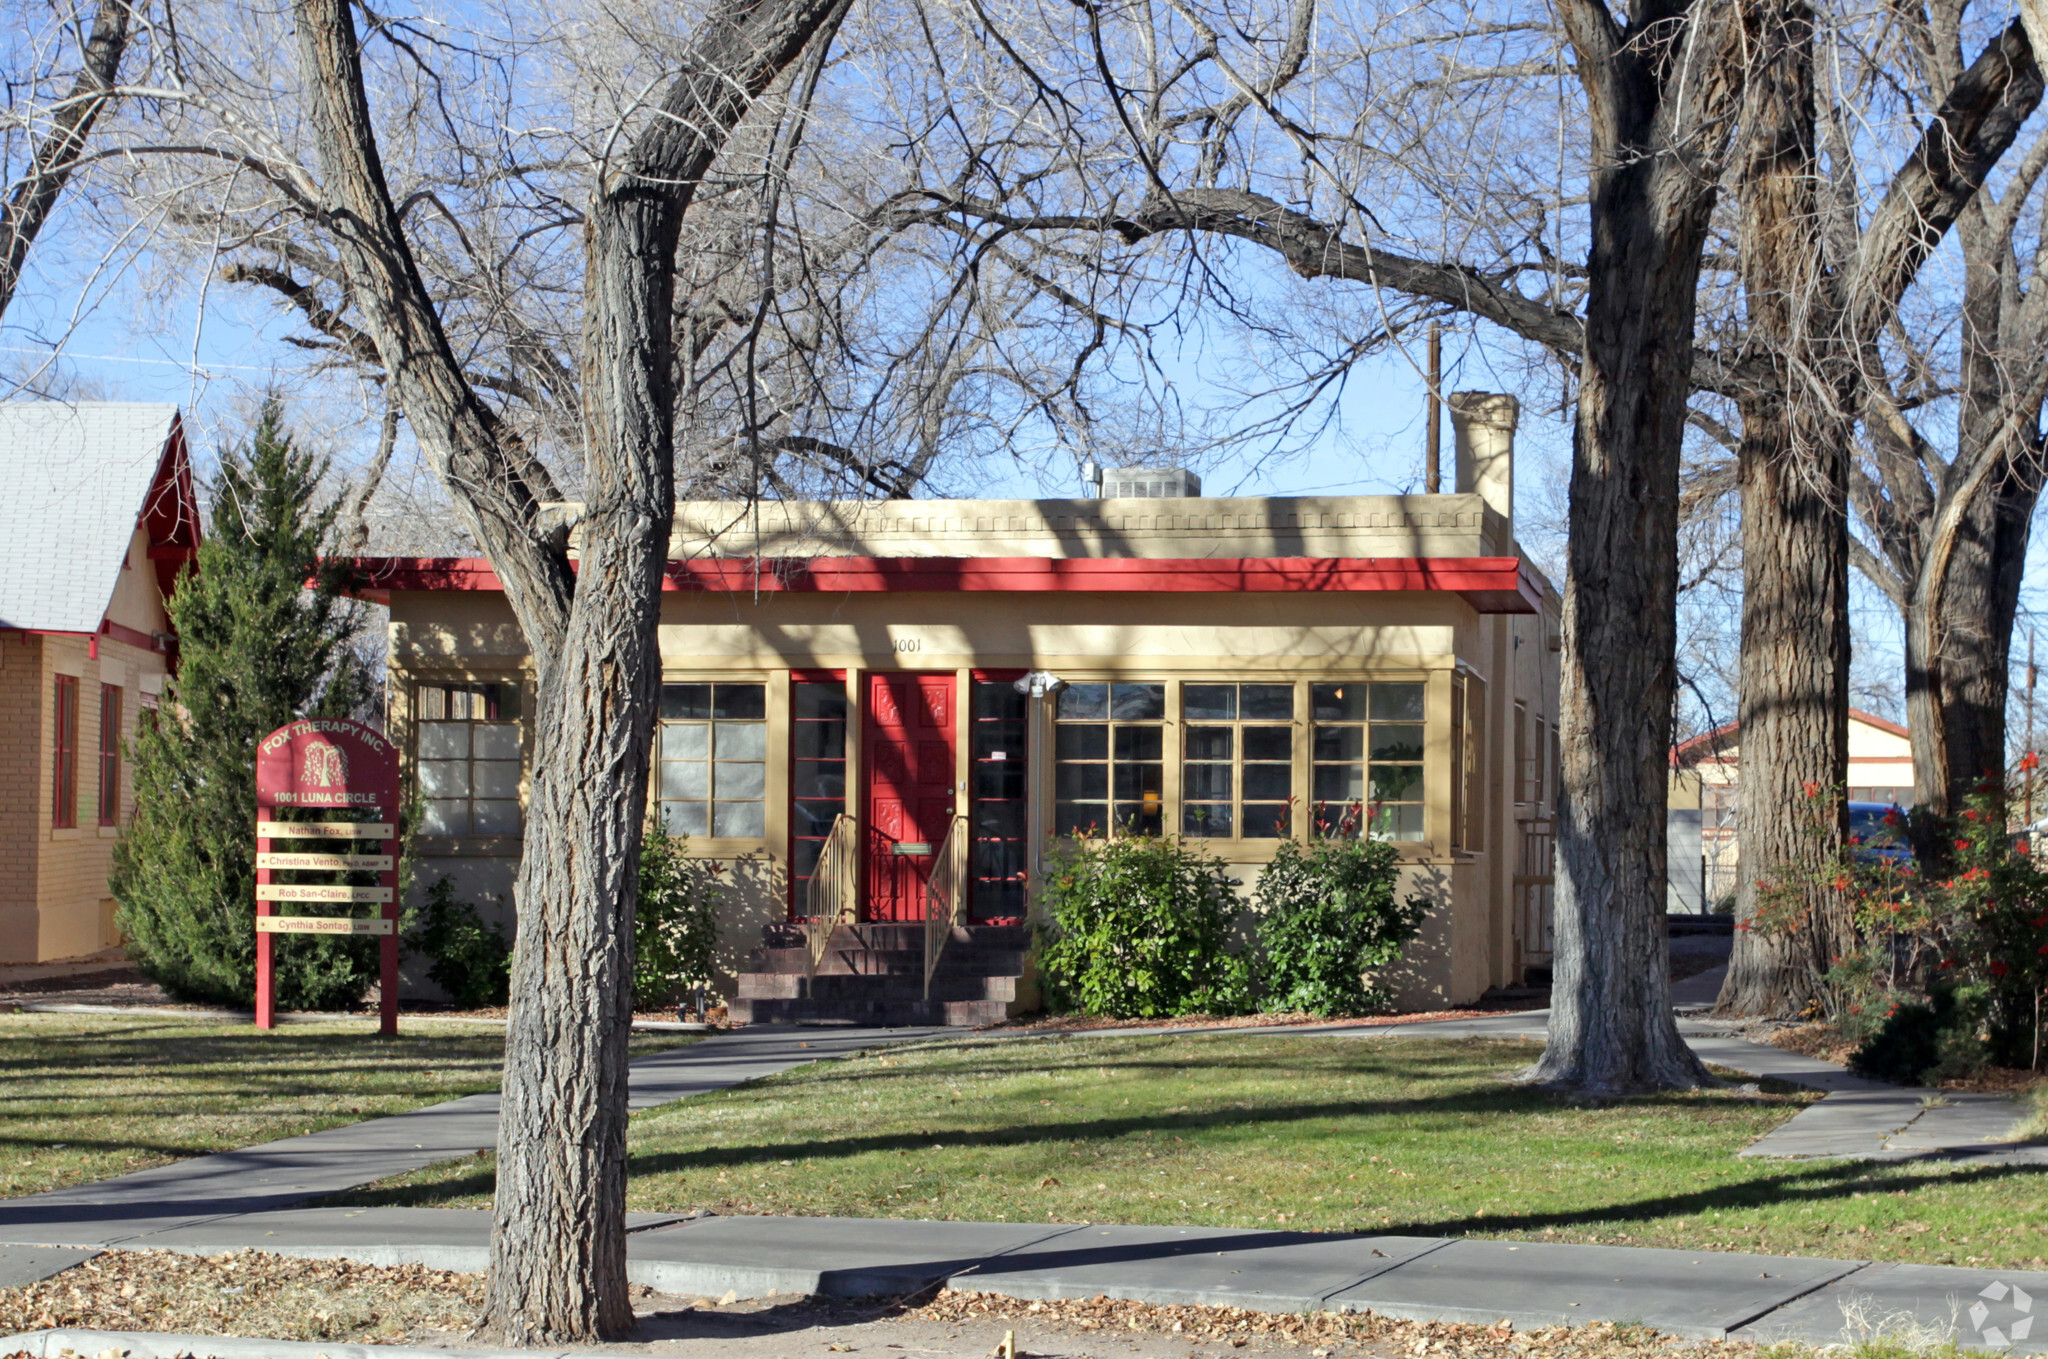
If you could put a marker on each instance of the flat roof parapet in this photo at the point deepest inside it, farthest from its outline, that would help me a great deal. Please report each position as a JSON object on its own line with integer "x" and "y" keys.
{"x": 1176, "y": 529}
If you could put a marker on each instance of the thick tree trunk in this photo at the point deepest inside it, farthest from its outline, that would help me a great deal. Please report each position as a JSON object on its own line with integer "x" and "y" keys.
{"x": 558, "y": 1251}
{"x": 1958, "y": 646}
{"x": 1792, "y": 465}
{"x": 558, "y": 1247}
{"x": 1611, "y": 1026}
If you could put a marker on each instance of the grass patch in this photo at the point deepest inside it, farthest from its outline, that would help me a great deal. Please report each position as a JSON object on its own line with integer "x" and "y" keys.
{"x": 85, "y": 1097}
{"x": 1401, "y": 1135}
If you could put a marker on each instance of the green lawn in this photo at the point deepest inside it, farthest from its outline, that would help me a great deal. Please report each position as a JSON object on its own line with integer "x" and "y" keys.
{"x": 1390, "y": 1134}
{"x": 84, "y": 1097}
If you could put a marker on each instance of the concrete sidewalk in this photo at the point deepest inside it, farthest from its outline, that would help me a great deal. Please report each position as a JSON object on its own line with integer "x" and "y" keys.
{"x": 274, "y": 1175}
{"x": 1696, "y": 1294}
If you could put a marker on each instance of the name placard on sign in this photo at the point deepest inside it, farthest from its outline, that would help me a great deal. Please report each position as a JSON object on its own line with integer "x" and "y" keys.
{"x": 371, "y": 863}
{"x": 319, "y": 891}
{"x": 325, "y": 830}
{"x": 319, "y": 924}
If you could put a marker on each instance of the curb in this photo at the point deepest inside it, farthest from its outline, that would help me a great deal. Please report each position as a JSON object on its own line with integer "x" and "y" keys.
{"x": 51, "y": 1344}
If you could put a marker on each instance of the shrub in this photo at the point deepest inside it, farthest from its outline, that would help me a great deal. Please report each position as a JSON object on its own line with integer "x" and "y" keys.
{"x": 1926, "y": 1042}
{"x": 258, "y": 647}
{"x": 1326, "y": 914}
{"x": 1136, "y": 927}
{"x": 675, "y": 934}
{"x": 470, "y": 960}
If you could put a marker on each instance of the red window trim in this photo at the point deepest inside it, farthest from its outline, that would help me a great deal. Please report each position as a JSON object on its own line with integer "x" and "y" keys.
{"x": 64, "y": 755}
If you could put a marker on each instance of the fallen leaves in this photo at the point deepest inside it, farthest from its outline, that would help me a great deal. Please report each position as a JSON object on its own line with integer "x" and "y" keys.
{"x": 246, "y": 1293}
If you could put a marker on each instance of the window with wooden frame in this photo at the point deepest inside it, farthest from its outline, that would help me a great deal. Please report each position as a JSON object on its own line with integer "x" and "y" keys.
{"x": 1468, "y": 803}
{"x": 998, "y": 754}
{"x": 1367, "y": 748}
{"x": 64, "y": 754}
{"x": 817, "y": 772}
{"x": 1109, "y": 766}
{"x": 1237, "y": 766}
{"x": 467, "y": 742}
{"x": 110, "y": 754}
{"x": 714, "y": 760}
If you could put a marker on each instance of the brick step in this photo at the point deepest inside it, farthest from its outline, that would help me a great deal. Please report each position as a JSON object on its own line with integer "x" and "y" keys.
{"x": 857, "y": 991}
{"x": 979, "y": 962}
{"x": 897, "y": 936}
{"x": 958, "y": 1014}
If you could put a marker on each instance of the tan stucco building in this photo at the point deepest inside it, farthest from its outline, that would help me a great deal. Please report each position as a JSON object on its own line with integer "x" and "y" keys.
{"x": 1232, "y": 670}
{"x": 97, "y": 517}
{"x": 1705, "y": 797}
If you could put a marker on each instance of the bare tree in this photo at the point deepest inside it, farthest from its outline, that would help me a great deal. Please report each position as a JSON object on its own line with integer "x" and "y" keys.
{"x": 1817, "y": 302}
{"x": 558, "y": 1249}
{"x": 55, "y": 134}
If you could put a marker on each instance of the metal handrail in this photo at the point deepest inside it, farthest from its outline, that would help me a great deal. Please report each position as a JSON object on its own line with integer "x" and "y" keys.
{"x": 942, "y": 897}
{"x": 828, "y": 896}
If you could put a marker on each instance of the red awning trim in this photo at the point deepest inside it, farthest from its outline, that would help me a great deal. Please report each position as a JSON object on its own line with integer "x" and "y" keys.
{"x": 1489, "y": 584}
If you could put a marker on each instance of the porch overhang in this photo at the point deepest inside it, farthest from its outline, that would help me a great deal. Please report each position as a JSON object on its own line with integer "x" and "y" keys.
{"x": 1488, "y": 584}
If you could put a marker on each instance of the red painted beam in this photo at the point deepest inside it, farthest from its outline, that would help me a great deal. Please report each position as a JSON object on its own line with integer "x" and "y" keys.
{"x": 1489, "y": 584}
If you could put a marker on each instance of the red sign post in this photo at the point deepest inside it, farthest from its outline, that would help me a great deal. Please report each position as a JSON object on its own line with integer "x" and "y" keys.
{"x": 327, "y": 764}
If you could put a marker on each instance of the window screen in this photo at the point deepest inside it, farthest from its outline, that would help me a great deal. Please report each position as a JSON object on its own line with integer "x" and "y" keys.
{"x": 1109, "y": 759}
{"x": 469, "y": 758}
{"x": 1237, "y": 767}
{"x": 1367, "y": 748}
{"x": 714, "y": 753}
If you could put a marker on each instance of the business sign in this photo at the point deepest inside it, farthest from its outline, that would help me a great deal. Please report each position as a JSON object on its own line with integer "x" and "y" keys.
{"x": 320, "y": 765}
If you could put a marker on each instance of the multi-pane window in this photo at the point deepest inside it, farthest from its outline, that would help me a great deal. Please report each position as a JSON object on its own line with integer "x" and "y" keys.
{"x": 64, "y": 754}
{"x": 714, "y": 760}
{"x": 110, "y": 754}
{"x": 817, "y": 789}
{"x": 1109, "y": 759}
{"x": 1237, "y": 767}
{"x": 468, "y": 745}
{"x": 997, "y": 751}
{"x": 1367, "y": 751}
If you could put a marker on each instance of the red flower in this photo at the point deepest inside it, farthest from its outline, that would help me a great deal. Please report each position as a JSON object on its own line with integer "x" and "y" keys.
{"x": 1842, "y": 882}
{"x": 1946, "y": 964}
{"x": 2030, "y": 761}
{"x": 1999, "y": 969}
{"x": 2040, "y": 921}
{"x": 1962, "y": 844}
{"x": 1969, "y": 816}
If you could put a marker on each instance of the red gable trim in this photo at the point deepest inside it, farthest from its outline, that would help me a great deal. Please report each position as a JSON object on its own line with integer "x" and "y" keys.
{"x": 1489, "y": 584}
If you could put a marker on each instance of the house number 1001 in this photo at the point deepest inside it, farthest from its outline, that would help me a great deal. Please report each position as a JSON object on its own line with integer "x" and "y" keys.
{"x": 906, "y": 644}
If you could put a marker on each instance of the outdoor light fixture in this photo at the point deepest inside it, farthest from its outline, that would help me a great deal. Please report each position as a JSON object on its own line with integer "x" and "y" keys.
{"x": 1039, "y": 683}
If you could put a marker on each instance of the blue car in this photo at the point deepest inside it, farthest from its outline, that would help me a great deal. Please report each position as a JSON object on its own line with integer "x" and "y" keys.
{"x": 1877, "y": 833}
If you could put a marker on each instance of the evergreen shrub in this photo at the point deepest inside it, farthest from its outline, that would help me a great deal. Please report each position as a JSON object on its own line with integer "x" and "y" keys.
{"x": 1327, "y": 913}
{"x": 675, "y": 933}
{"x": 1137, "y": 927}
{"x": 470, "y": 960}
{"x": 258, "y": 647}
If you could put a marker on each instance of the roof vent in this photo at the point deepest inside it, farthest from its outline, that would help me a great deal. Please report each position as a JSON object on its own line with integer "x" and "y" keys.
{"x": 1149, "y": 483}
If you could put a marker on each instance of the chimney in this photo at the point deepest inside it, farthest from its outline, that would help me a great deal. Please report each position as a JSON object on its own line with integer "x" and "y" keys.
{"x": 1483, "y": 429}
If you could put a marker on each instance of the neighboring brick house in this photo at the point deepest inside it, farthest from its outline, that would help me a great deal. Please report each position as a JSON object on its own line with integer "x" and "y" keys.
{"x": 97, "y": 517}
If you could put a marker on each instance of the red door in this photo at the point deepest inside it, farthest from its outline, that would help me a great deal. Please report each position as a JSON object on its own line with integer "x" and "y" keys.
{"x": 907, "y": 769}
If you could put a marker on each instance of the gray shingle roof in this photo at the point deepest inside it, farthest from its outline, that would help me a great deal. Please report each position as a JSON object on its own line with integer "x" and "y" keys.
{"x": 73, "y": 480}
